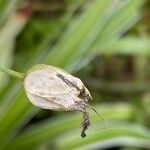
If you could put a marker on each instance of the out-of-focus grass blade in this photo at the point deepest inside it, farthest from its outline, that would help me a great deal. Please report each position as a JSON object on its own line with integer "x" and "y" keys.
{"x": 93, "y": 34}
{"x": 14, "y": 116}
{"x": 8, "y": 33}
{"x": 45, "y": 47}
{"x": 71, "y": 40}
{"x": 129, "y": 135}
{"x": 6, "y": 8}
{"x": 45, "y": 131}
{"x": 139, "y": 46}
{"x": 120, "y": 21}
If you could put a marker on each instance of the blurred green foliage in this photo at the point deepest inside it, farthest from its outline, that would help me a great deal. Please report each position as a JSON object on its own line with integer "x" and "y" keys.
{"x": 104, "y": 42}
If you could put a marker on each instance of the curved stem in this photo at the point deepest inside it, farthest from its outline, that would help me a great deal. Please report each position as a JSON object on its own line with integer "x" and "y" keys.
{"x": 12, "y": 73}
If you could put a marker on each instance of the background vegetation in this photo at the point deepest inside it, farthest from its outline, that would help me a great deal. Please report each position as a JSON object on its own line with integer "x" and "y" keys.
{"x": 104, "y": 42}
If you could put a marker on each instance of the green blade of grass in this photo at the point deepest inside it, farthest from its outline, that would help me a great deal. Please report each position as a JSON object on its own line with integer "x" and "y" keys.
{"x": 115, "y": 23}
{"x": 6, "y": 8}
{"x": 120, "y": 21}
{"x": 128, "y": 135}
{"x": 93, "y": 34}
{"x": 71, "y": 40}
{"x": 139, "y": 46}
{"x": 50, "y": 129}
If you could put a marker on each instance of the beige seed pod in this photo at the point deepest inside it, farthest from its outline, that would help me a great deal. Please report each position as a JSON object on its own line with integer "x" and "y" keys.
{"x": 49, "y": 87}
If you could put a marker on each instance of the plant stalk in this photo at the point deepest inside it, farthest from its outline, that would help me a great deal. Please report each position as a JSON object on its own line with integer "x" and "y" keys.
{"x": 12, "y": 73}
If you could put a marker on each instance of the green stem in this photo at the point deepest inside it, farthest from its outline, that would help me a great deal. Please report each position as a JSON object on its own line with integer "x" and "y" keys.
{"x": 12, "y": 73}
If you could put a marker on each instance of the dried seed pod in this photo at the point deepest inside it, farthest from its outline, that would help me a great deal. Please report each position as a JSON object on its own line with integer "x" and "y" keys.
{"x": 49, "y": 87}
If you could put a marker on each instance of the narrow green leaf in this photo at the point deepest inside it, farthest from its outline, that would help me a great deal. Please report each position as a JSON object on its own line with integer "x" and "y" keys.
{"x": 129, "y": 45}
{"x": 120, "y": 21}
{"x": 50, "y": 129}
{"x": 129, "y": 135}
{"x": 6, "y": 8}
{"x": 70, "y": 42}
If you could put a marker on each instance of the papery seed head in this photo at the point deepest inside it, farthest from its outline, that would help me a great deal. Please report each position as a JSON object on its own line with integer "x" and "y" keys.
{"x": 49, "y": 87}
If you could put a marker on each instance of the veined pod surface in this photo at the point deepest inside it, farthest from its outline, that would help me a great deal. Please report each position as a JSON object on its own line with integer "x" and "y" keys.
{"x": 50, "y": 87}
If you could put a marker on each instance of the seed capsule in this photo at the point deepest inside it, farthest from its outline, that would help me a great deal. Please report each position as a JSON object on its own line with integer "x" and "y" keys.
{"x": 49, "y": 87}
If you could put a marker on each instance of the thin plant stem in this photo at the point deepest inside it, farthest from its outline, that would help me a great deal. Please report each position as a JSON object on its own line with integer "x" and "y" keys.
{"x": 12, "y": 73}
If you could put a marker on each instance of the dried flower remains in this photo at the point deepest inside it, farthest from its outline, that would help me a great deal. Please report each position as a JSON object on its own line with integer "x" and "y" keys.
{"x": 49, "y": 87}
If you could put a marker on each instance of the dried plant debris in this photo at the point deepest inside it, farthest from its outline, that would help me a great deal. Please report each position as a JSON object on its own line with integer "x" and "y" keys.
{"x": 49, "y": 87}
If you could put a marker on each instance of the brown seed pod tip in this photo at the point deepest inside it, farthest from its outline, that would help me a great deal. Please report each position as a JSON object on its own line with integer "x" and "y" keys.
{"x": 85, "y": 123}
